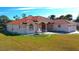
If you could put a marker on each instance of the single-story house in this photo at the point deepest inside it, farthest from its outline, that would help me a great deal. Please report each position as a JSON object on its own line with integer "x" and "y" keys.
{"x": 37, "y": 24}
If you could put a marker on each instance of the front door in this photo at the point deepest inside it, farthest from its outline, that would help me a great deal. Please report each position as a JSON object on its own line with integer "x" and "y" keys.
{"x": 43, "y": 27}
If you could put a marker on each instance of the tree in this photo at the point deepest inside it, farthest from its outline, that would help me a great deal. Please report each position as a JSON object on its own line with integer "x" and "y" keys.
{"x": 23, "y": 15}
{"x": 16, "y": 17}
{"x": 68, "y": 17}
{"x": 3, "y": 21}
{"x": 61, "y": 17}
{"x": 52, "y": 17}
{"x": 77, "y": 19}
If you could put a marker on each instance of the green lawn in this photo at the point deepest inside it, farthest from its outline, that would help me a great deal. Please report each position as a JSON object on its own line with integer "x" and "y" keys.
{"x": 40, "y": 42}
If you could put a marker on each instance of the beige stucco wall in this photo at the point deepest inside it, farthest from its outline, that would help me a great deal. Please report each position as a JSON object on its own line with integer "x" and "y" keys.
{"x": 64, "y": 28}
{"x": 21, "y": 30}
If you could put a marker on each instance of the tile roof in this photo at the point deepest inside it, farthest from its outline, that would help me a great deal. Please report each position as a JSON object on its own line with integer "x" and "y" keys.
{"x": 28, "y": 19}
{"x": 16, "y": 22}
{"x": 62, "y": 21}
{"x": 31, "y": 19}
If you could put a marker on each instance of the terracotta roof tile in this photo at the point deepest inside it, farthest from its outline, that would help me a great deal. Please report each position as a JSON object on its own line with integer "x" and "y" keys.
{"x": 62, "y": 21}
{"x": 30, "y": 19}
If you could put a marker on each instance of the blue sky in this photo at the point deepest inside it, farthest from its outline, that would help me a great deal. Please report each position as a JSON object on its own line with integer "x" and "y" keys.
{"x": 38, "y": 11}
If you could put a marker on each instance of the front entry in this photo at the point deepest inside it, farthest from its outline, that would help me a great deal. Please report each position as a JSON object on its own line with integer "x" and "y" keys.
{"x": 49, "y": 27}
{"x": 43, "y": 27}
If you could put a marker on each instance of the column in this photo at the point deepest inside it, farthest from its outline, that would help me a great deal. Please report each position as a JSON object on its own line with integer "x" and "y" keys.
{"x": 46, "y": 27}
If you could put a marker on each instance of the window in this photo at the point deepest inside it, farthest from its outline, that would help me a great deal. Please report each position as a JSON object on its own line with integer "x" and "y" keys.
{"x": 59, "y": 25}
{"x": 31, "y": 27}
{"x": 24, "y": 23}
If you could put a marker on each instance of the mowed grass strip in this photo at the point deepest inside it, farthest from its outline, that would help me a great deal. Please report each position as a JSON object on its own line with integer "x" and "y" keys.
{"x": 65, "y": 42}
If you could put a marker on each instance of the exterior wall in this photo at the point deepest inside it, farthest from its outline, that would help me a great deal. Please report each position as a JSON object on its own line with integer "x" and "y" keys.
{"x": 37, "y": 28}
{"x": 64, "y": 28}
{"x": 50, "y": 27}
{"x": 12, "y": 28}
{"x": 27, "y": 30}
{"x": 72, "y": 29}
{"x": 61, "y": 28}
{"x": 15, "y": 28}
{"x": 20, "y": 30}
{"x": 9, "y": 27}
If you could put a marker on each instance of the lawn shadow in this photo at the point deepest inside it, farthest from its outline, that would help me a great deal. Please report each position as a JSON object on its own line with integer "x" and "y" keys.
{"x": 61, "y": 32}
{"x": 16, "y": 34}
{"x": 36, "y": 34}
{"x": 9, "y": 33}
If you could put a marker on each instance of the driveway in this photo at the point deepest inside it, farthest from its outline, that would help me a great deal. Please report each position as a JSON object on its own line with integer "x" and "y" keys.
{"x": 76, "y": 32}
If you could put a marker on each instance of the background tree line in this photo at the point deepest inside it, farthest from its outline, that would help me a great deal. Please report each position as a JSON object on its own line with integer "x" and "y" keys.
{"x": 67, "y": 17}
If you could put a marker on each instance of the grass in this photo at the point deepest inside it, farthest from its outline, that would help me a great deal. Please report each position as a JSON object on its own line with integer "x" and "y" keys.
{"x": 65, "y": 42}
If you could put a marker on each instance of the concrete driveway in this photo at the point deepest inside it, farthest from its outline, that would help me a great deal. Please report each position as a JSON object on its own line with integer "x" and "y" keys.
{"x": 76, "y": 32}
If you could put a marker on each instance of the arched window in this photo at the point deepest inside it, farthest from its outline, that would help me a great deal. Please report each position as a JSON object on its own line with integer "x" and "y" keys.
{"x": 31, "y": 27}
{"x": 49, "y": 24}
{"x": 24, "y": 23}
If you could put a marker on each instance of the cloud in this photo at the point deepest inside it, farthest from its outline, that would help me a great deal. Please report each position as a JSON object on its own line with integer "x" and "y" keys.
{"x": 25, "y": 8}
{"x": 31, "y": 8}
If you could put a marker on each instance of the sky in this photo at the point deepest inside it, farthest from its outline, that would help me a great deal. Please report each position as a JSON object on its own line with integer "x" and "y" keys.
{"x": 39, "y": 7}
{"x": 38, "y": 11}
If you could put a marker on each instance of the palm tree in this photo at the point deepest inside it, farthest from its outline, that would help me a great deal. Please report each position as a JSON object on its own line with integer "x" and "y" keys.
{"x": 23, "y": 15}
{"x": 16, "y": 17}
